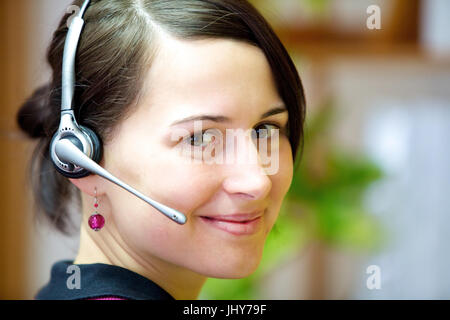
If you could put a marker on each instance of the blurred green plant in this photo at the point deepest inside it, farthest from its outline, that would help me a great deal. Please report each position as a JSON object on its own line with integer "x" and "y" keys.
{"x": 317, "y": 6}
{"x": 312, "y": 11}
{"x": 324, "y": 203}
{"x": 330, "y": 186}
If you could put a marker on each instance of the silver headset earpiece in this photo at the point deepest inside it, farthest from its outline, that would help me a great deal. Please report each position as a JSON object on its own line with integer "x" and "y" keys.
{"x": 76, "y": 150}
{"x": 68, "y": 126}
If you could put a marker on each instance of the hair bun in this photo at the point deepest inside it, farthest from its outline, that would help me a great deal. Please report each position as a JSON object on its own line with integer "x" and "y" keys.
{"x": 35, "y": 112}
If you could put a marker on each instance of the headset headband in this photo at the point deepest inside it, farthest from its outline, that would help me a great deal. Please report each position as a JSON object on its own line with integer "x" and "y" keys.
{"x": 68, "y": 66}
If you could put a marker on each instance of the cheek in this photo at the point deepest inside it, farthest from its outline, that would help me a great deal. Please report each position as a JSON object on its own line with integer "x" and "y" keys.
{"x": 163, "y": 176}
{"x": 182, "y": 186}
{"x": 283, "y": 178}
{"x": 281, "y": 182}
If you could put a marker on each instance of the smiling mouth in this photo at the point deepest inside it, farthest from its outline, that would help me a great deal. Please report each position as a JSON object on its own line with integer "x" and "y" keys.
{"x": 237, "y": 228}
{"x": 230, "y": 221}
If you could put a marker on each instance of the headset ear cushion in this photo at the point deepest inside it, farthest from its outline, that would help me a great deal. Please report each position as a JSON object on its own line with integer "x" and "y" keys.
{"x": 97, "y": 153}
{"x": 96, "y": 143}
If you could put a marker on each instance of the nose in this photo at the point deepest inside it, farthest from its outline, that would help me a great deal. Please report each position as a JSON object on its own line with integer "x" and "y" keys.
{"x": 245, "y": 175}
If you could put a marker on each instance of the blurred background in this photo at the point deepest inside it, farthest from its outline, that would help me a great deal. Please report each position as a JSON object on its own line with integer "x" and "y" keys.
{"x": 367, "y": 215}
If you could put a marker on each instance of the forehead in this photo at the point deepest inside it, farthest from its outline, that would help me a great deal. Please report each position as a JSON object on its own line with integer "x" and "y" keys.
{"x": 209, "y": 75}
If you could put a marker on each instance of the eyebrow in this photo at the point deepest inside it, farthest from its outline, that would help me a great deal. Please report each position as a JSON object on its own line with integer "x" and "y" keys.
{"x": 280, "y": 108}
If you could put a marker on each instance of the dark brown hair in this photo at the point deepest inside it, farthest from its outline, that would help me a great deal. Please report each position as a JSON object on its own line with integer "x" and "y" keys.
{"x": 114, "y": 53}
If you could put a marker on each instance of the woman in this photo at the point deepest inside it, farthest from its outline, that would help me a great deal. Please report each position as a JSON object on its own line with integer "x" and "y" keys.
{"x": 144, "y": 68}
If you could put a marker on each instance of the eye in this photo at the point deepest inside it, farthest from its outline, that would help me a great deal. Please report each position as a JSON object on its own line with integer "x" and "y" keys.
{"x": 264, "y": 131}
{"x": 200, "y": 139}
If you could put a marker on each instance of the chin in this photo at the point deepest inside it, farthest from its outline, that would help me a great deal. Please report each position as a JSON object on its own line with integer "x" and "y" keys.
{"x": 235, "y": 270}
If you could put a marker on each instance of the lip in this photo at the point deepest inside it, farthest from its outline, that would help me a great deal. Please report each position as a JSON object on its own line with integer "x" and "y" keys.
{"x": 236, "y": 224}
{"x": 237, "y": 217}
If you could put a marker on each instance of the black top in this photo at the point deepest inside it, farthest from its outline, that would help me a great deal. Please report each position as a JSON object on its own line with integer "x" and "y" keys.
{"x": 86, "y": 281}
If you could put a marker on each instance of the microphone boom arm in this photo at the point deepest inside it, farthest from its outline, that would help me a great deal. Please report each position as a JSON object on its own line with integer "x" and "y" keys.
{"x": 68, "y": 152}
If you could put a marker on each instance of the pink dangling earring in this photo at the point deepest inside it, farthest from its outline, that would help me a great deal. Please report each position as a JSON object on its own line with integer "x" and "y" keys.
{"x": 96, "y": 220}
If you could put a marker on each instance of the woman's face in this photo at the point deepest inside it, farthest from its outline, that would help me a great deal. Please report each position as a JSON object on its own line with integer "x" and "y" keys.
{"x": 222, "y": 78}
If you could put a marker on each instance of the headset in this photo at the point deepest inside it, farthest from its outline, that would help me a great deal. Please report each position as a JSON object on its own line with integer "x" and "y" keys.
{"x": 76, "y": 150}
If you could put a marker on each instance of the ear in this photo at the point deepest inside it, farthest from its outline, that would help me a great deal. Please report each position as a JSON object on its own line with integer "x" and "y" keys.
{"x": 88, "y": 184}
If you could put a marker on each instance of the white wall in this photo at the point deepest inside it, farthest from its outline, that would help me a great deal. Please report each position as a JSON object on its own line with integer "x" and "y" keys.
{"x": 397, "y": 110}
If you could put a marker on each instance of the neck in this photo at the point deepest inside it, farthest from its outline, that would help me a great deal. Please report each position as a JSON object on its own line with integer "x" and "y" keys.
{"x": 107, "y": 247}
